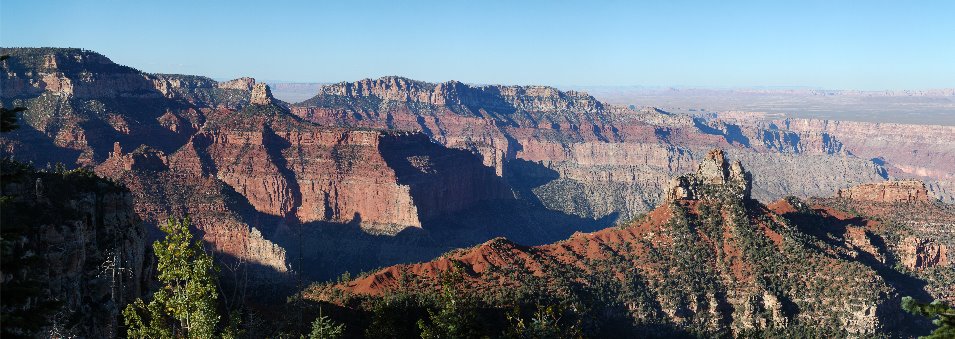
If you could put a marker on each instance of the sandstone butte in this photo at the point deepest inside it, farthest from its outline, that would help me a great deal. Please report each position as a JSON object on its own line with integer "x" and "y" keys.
{"x": 710, "y": 258}
{"x": 389, "y": 170}
{"x": 891, "y": 191}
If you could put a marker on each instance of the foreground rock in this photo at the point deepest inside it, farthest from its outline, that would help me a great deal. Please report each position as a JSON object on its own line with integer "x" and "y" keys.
{"x": 73, "y": 253}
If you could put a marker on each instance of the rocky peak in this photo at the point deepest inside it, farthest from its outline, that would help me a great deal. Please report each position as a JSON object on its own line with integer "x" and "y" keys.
{"x": 887, "y": 191}
{"x": 144, "y": 158}
{"x": 261, "y": 95}
{"x": 714, "y": 175}
{"x": 242, "y": 84}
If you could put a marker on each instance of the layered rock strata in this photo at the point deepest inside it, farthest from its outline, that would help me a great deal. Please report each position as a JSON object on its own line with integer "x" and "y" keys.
{"x": 891, "y": 191}
{"x": 612, "y": 160}
{"x": 527, "y": 161}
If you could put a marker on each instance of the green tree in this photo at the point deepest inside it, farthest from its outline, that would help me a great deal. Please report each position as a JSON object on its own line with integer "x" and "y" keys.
{"x": 545, "y": 323}
{"x": 325, "y": 328}
{"x": 185, "y": 304}
{"x": 456, "y": 318}
{"x": 941, "y": 314}
{"x": 395, "y": 315}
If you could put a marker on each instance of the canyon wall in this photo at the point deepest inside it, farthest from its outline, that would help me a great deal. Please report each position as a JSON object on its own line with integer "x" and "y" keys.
{"x": 920, "y": 152}
{"x": 600, "y": 159}
{"x": 395, "y": 168}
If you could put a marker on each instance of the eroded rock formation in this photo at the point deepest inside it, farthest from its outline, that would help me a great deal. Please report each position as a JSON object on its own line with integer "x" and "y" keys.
{"x": 889, "y": 192}
{"x": 261, "y": 95}
{"x": 919, "y": 254}
{"x": 715, "y": 175}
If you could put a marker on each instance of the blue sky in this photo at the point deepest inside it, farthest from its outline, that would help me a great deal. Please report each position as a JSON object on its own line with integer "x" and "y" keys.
{"x": 829, "y": 44}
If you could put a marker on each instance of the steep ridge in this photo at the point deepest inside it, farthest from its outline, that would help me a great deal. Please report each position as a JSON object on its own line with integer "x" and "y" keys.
{"x": 709, "y": 261}
{"x": 609, "y": 159}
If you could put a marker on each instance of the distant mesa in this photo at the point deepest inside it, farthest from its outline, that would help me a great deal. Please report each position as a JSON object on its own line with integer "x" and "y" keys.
{"x": 261, "y": 94}
{"x": 242, "y": 84}
{"x": 887, "y": 192}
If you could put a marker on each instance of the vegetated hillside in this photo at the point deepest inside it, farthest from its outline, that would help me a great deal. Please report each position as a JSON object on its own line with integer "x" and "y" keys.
{"x": 710, "y": 261}
{"x": 73, "y": 252}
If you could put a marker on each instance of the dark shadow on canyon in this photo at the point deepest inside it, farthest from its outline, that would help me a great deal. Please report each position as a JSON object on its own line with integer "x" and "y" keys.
{"x": 733, "y": 133}
{"x": 460, "y": 202}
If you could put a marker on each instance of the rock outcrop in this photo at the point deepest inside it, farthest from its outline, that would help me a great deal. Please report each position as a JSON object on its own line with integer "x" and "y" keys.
{"x": 906, "y": 191}
{"x": 714, "y": 176}
{"x": 144, "y": 158}
{"x": 261, "y": 95}
{"x": 919, "y": 254}
{"x": 243, "y": 84}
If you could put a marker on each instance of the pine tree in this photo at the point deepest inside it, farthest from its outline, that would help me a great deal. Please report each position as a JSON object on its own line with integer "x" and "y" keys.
{"x": 941, "y": 314}
{"x": 456, "y": 318}
{"x": 546, "y": 322}
{"x": 325, "y": 328}
{"x": 185, "y": 304}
